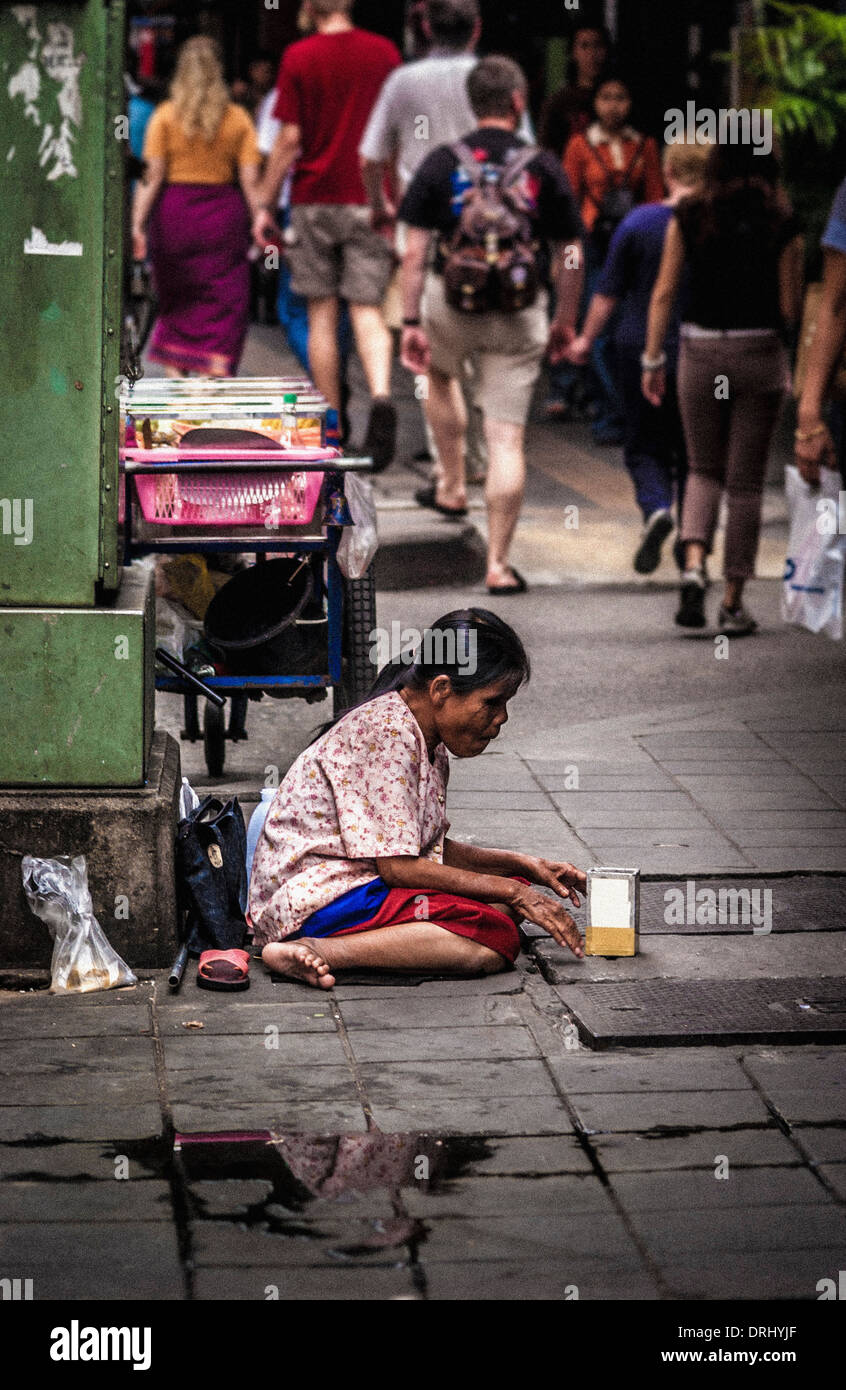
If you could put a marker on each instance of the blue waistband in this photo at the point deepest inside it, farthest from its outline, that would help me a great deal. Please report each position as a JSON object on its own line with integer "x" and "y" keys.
{"x": 358, "y": 905}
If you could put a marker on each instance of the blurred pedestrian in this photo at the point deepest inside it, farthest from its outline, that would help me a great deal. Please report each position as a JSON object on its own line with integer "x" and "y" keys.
{"x": 422, "y": 105}
{"x": 569, "y": 111}
{"x": 509, "y": 344}
{"x": 815, "y": 446}
{"x": 612, "y": 168}
{"x": 566, "y": 113}
{"x": 198, "y": 192}
{"x": 653, "y": 448}
{"x": 741, "y": 246}
{"x": 326, "y": 88}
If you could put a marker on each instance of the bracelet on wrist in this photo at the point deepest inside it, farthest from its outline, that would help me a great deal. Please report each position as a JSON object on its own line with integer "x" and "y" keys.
{"x": 802, "y": 436}
{"x": 653, "y": 364}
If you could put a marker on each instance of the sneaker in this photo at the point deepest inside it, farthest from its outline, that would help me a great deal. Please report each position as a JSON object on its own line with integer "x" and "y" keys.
{"x": 381, "y": 439}
{"x": 692, "y": 610}
{"x": 656, "y": 531}
{"x": 736, "y": 622}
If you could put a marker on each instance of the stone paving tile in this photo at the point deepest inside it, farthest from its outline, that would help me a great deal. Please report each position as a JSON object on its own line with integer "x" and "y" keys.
{"x": 69, "y": 1056}
{"x": 428, "y": 1013}
{"x": 59, "y": 1161}
{"x": 656, "y": 1110}
{"x": 736, "y": 768}
{"x": 394, "y": 1083}
{"x": 674, "y": 1069}
{"x": 732, "y": 819}
{"x": 630, "y": 1153}
{"x": 811, "y": 860}
{"x": 509, "y": 983}
{"x": 769, "y": 838}
{"x": 526, "y": 1280}
{"x": 497, "y": 1115}
{"x": 471, "y": 1197}
{"x": 118, "y": 1200}
{"x": 786, "y": 1274}
{"x": 836, "y": 1175}
{"x": 560, "y": 1234}
{"x": 90, "y": 1122}
{"x": 680, "y": 1237}
{"x": 230, "y": 1197}
{"x": 491, "y": 774}
{"x": 809, "y": 1067}
{"x": 308, "y": 1239}
{"x": 833, "y": 783}
{"x": 825, "y": 1143}
{"x": 749, "y": 1187}
{"x": 254, "y": 1054}
{"x": 31, "y": 1019}
{"x": 307, "y": 1017}
{"x": 82, "y": 1260}
{"x": 217, "y": 1089}
{"x": 80, "y": 1089}
{"x": 650, "y": 779}
{"x": 822, "y": 1106}
{"x": 282, "y": 1115}
{"x": 422, "y": 1044}
{"x": 696, "y": 957}
{"x": 322, "y": 1283}
{"x": 751, "y": 798}
{"x": 530, "y": 1155}
{"x": 504, "y": 800}
{"x": 637, "y": 809}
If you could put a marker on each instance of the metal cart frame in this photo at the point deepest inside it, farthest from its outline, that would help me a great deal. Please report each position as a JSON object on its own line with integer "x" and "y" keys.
{"x": 350, "y": 604}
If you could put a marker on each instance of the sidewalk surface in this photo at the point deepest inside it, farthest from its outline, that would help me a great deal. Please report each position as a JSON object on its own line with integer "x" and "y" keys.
{"x": 456, "y": 1139}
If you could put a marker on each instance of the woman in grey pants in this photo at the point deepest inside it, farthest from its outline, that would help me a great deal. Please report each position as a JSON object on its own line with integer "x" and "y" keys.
{"x": 744, "y": 256}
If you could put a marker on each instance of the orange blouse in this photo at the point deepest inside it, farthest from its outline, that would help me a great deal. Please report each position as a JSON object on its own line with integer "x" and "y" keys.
{"x": 193, "y": 159}
{"x": 592, "y": 160}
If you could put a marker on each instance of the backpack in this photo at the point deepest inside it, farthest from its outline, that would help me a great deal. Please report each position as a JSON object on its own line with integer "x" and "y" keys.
{"x": 617, "y": 201}
{"x": 491, "y": 260}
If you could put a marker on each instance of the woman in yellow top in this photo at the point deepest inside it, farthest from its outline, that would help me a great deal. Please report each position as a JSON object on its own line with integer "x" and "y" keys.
{"x": 193, "y": 211}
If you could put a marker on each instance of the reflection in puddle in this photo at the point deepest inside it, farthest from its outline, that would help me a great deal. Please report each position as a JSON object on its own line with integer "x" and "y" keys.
{"x": 342, "y": 1191}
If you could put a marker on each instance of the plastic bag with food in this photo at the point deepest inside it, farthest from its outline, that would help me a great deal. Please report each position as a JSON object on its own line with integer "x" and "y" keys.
{"x": 83, "y": 960}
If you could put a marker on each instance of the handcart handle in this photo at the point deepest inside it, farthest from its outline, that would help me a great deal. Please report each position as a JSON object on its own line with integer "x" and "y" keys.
{"x": 214, "y": 460}
{"x": 167, "y": 660}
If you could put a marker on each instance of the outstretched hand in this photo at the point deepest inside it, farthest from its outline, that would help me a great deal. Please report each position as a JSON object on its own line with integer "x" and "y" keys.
{"x": 564, "y": 880}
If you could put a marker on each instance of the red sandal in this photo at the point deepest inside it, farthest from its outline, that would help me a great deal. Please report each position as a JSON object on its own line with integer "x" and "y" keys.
{"x": 225, "y": 970}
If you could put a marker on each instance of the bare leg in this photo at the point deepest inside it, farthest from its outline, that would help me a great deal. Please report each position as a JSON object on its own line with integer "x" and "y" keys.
{"x": 447, "y": 416}
{"x": 733, "y": 596}
{"x": 694, "y": 555}
{"x": 375, "y": 347}
{"x": 323, "y": 354}
{"x": 405, "y": 946}
{"x": 503, "y": 493}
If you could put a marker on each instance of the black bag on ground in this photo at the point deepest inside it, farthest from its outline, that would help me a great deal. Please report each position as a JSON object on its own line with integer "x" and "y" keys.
{"x": 211, "y": 876}
{"x": 491, "y": 261}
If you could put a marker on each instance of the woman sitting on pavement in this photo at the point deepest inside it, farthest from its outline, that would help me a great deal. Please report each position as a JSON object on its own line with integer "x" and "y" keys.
{"x": 354, "y": 868}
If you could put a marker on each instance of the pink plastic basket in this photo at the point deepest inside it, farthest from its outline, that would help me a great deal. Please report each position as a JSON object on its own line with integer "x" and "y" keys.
{"x": 218, "y": 499}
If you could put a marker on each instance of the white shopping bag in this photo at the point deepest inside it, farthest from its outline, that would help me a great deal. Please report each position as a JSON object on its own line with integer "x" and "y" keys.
{"x": 360, "y": 541}
{"x": 812, "y": 594}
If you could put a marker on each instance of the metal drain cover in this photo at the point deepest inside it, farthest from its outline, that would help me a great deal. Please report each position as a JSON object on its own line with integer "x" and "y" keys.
{"x": 681, "y": 1013}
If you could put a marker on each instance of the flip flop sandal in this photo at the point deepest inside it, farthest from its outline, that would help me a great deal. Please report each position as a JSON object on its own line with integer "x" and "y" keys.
{"x": 503, "y": 589}
{"x": 426, "y": 497}
{"x": 225, "y": 970}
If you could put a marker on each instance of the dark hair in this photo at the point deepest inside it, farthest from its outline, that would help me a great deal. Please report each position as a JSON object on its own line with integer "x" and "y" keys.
{"x": 492, "y": 83}
{"x": 612, "y": 74}
{"x": 585, "y": 26}
{"x": 498, "y": 656}
{"x": 452, "y": 22}
{"x": 740, "y": 196}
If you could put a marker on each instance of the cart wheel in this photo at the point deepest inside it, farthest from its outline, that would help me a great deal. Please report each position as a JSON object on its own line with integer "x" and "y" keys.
{"x": 359, "y": 622}
{"x": 214, "y": 737}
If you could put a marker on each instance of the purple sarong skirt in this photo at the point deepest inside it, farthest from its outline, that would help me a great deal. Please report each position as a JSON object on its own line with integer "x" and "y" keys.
{"x": 198, "y": 240}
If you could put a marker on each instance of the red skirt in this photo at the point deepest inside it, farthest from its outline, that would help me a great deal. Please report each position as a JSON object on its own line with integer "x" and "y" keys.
{"x": 463, "y": 916}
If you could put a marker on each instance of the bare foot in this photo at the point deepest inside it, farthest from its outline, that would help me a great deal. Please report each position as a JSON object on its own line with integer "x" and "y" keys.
{"x": 298, "y": 960}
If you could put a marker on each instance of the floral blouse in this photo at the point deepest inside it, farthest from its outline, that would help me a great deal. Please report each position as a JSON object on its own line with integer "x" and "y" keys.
{"x": 365, "y": 790}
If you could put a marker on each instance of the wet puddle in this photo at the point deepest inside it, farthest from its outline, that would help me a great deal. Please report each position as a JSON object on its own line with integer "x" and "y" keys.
{"x": 345, "y": 1193}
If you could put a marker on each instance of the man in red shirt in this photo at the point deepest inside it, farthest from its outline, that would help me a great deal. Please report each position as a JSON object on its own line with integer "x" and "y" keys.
{"x": 327, "y": 86}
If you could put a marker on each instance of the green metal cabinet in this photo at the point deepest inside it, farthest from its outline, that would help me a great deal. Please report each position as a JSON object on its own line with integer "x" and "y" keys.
{"x": 62, "y": 138}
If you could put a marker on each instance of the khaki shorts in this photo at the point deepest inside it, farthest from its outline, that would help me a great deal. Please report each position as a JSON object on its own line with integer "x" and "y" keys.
{"x": 507, "y": 350}
{"x": 332, "y": 250}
